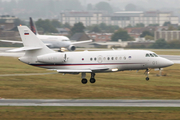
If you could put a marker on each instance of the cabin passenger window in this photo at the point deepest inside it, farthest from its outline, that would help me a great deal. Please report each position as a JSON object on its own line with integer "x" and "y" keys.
{"x": 112, "y": 58}
{"x": 116, "y": 58}
{"x": 91, "y": 59}
{"x": 120, "y": 58}
{"x": 95, "y": 59}
{"x": 108, "y": 58}
{"x": 125, "y": 58}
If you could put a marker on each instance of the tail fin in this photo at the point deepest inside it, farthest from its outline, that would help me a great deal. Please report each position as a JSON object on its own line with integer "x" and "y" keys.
{"x": 31, "y": 42}
{"x": 33, "y": 26}
{"x": 29, "y": 39}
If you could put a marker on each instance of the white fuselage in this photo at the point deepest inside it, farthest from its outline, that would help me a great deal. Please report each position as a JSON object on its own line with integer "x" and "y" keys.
{"x": 113, "y": 60}
{"x": 55, "y": 41}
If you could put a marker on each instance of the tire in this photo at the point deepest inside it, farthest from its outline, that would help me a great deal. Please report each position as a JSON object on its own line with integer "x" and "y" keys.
{"x": 84, "y": 81}
{"x": 92, "y": 80}
{"x": 147, "y": 78}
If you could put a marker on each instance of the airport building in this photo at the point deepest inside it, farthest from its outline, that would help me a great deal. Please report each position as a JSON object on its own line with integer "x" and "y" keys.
{"x": 122, "y": 19}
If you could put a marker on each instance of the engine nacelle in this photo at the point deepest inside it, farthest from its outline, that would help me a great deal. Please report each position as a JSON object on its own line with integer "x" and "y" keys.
{"x": 52, "y": 58}
{"x": 71, "y": 48}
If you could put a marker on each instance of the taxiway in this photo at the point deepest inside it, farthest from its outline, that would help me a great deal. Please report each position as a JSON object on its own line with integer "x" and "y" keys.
{"x": 88, "y": 102}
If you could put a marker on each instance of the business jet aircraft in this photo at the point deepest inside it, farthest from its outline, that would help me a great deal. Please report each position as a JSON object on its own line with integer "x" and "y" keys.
{"x": 52, "y": 41}
{"x": 39, "y": 55}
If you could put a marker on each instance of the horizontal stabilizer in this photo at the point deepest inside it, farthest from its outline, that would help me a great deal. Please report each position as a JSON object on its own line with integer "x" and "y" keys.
{"x": 20, "y": 42}
{"x": 24, "y": 49}
{"x": 11, "y": 41}
{"x": 73, "y": 71}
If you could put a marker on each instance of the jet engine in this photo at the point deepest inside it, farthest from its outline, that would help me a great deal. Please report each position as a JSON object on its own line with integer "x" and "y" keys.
{"x": 71, "y": 48}
{"x": 52, "y": 58}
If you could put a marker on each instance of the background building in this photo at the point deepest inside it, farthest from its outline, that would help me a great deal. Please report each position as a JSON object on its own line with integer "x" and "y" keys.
{"x": 167, "y": 35}
{"x": 122, "y": 19}
{"x": 100, "y": 37}
{"x": 8, "y": 30}
{"x": 7, "y": 22}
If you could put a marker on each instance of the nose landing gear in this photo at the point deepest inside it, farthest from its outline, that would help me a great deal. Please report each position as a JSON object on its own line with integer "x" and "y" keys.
{"x": 147, "y": 73}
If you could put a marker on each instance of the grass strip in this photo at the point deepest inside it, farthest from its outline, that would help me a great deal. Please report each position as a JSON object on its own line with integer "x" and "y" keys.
{"x": 89, "y": 113}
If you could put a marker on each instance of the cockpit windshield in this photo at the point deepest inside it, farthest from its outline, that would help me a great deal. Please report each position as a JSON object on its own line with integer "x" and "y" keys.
{"x": 151, "y": 55}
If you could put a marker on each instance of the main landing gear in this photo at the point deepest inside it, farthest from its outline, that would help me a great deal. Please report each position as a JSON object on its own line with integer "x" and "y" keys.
{"x": 147, "y": 73}
{"x": 84, "y": 80}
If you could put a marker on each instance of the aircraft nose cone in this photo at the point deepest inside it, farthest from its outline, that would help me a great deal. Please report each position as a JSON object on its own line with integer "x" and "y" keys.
{"x": 167, "y": 62}
{"x": 171, "y": 63}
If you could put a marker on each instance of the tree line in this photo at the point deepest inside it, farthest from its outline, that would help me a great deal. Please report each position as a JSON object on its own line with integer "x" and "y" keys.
{"x": 49, "y": 26}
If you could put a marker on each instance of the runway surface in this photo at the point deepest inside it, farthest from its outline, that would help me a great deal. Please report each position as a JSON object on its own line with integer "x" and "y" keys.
{"x": 88, "y": 102}
{"x": 174, "y": 58}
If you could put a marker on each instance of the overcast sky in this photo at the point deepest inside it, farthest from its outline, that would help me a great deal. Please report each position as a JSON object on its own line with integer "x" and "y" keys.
{"x": 144, "y": 3}
{"x": 151, "y": 4}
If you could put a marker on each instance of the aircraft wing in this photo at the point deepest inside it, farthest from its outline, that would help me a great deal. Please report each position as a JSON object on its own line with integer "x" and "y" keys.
{"x": 105, "y": 43}
{"x": 81, "y": 71}
{"x": 80, "y": 42}
{"x": 11, "y": 41}
{"x": 73, "y": 71}
{"x": 99, "y": 69}
{"x": 48, "y": 44}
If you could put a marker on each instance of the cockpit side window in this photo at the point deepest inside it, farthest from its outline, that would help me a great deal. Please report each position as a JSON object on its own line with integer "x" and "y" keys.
{"x": 155, "y": 55}
{"x": 147, "y": 55}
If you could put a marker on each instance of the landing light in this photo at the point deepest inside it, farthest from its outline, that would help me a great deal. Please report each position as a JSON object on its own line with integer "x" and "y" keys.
{"x": 63, "y": 49}
{"x": 114, "y": 69}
